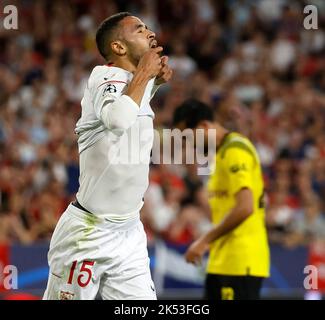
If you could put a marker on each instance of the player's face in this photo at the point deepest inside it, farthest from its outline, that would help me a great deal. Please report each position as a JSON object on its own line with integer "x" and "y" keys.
{"x": 137, "y": 37}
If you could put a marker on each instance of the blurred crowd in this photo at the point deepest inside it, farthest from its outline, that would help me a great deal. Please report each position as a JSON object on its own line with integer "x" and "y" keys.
{"x": 252, "y": 61}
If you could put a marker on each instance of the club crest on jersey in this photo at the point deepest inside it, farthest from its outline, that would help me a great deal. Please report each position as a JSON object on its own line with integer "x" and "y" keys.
{"x": 65, "y": 295}
{"x": 110, "y": 88}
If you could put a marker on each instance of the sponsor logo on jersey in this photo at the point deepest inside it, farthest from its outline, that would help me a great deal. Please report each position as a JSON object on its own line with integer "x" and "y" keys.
{"x": 219, "y": 194}
{"x": 238, "y": 167}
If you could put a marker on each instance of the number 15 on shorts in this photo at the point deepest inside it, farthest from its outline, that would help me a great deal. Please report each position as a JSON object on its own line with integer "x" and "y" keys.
{"x": 84, "y": 274}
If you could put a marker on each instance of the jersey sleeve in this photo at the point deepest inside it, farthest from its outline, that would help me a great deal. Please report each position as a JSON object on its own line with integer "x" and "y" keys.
{"x": 239, "y": 165}
{"x": 115, "y": 109}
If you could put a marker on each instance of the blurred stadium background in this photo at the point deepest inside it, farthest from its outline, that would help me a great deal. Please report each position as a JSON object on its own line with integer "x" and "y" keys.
{"x": 252, "y": 61}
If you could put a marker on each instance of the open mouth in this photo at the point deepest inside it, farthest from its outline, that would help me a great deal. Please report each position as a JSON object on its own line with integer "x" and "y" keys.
{"x": 153, "y": 44}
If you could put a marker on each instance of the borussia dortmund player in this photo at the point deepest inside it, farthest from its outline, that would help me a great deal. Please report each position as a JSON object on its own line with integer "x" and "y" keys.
{"x": 239, "y": 252}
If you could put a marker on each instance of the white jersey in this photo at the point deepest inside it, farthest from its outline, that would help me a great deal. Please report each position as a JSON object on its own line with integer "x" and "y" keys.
{"x": 115, "y": 139}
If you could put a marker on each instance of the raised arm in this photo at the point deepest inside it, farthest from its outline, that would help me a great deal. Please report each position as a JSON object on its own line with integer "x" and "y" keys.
{"x": 117, "y": 103}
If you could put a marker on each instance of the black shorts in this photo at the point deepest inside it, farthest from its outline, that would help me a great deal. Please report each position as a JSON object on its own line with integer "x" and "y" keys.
{"x": 221, "y": 287}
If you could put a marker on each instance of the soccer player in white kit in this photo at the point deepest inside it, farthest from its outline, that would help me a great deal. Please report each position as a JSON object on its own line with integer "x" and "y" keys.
{"x": 99, "y": 245}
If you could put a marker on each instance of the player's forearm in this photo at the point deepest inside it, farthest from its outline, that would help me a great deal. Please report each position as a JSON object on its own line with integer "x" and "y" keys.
{"x": 236, "y": 216}
{"x": 138, "y": 86}
{"x": 122, "y": 113}
{"x": 242, "y": 210}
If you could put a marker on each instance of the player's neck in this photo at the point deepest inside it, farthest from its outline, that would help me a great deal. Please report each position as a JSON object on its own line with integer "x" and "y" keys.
{"x": 221, "y": 134}
{"x": 124, "y": 64}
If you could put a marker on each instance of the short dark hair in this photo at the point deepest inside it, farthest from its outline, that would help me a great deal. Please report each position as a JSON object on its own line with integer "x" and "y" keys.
{"x": 191, "y": 112}
{"x": 105, "y": 30}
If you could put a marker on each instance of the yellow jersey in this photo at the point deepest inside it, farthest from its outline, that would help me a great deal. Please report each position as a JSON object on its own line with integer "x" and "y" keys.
{"x": 244, "y": 250}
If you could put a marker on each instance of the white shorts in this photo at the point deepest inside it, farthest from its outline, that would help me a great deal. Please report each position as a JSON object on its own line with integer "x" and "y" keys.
{"x": 89, "y": 256}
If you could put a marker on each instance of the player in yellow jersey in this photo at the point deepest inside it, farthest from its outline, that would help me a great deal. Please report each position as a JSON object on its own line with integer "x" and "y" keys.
{"x": 239, "y": 252}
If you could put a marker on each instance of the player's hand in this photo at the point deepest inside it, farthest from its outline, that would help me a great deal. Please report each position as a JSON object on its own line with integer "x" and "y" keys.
{"x": 165, "y": 73}
{"x": 196, "y": 251}
{"x": 150, "y": 63}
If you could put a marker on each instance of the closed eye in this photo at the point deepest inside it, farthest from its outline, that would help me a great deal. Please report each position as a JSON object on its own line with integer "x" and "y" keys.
{"x": 141, "y": 28}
